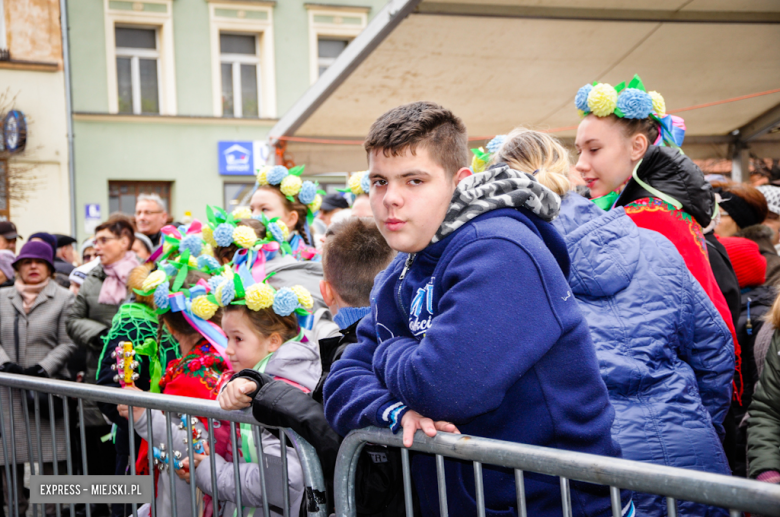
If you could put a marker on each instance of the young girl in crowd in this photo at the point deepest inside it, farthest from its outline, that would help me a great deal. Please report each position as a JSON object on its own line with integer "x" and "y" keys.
{"x": 264, "y": 337}
{"x": 664, "y": 352}
{"x": 629, "y": 157}
{"x": 189, "y": 317}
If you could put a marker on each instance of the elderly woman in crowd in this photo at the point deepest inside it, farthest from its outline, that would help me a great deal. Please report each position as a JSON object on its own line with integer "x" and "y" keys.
{"x": 34, "y": 342}
{"x": 102, "y": 292}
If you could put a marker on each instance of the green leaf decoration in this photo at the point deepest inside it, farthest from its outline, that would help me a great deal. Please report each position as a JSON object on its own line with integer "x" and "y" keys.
{"x": 160, "y": 312}
{"x": 309, "y": 216}
{"x": 210, "y": 215}
{"x": 620, "y": 87}
{"x": 286, "y": 247}
{"x": 213, "y": 299}
{"x": 185, "y": 292}
{"x": 143, "y": 293}
{"x": 636, "y": 82}
{"x": 290, "y": 199}
{"x": 239, "y": 285}
{"x": 323, "y": 193}
{"x": 595, "y": 83}
{"x": 619, "y": 113}
{"x": 297, "y": 171}
{"x": 239, "y": 302}
{"x": 342, "y": 190}
{"x": 300, "y": 311}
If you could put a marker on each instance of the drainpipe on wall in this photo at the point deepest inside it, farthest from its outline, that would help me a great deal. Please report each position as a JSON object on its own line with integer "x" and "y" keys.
{"x": 68, "y": 113}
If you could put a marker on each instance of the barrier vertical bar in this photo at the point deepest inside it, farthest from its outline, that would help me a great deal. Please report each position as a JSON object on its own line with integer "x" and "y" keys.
{"x": 131, "y": 443}
{"x": 671, "y": 507}
{"x": 407, "y": 473}
{"x": 4, "y": 436}
{"x": 565, "y": 497}
{"x": 82, "y": 433}
{"x": 442, "y": 484}
{"x": 285, "y": 475}
{"x": 37, "y": 410}
{"x": 55, "y": 460}
{"x": 479, "y": 489}
{"x": 30, "y": 456}
{"x": 68, "y": 457}
{"x": 13, "y": 456}
{"x": 735, "y": 513}
{"x": 259, "y": 443}
{"x": 617, "y": 506}
{"x": 191, "y": 455}
{"x": 150, "y": 457}
{"x": 212, "y": 452}
{"x": 171, "y": 473}
{"x": 520, "y": 485}
{"x": 239, "y": 506}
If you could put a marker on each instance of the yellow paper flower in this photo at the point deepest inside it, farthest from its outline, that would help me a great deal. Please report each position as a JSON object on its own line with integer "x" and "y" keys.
{"x": 227, "y": 273}
{"x": 203, "y": 308}
{"x": 259, "y": 297}
{"x": 316, "y": 204}
{"x": 291, "y": 185}
{"x": 659, "y": 104}
{"x": 283, "y": 227}
{"x": 261, "y": 175}
{"x": 166, "y": 247}
{"x": 208, "y": 236}
{"x": 304, "y": 296}
{"x": 477, "y": 165}
{"x": 208, "y": 249}
{"x": 242, "y": 212}
{"x": 354, "y": 183}
{"x": 244, "y": 236}
{"x": 153, "y": 280}
{"x": 193, "y": 262}
{"x": 602, "y": 100}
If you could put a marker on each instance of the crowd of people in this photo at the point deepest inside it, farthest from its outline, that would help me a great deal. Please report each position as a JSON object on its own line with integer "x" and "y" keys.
{"x": 616, "y": 303}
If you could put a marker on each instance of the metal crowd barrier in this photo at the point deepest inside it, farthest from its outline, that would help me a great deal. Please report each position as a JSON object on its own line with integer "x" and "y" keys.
{"x": 735, "y": 494}
{"x": 314, "y": 483}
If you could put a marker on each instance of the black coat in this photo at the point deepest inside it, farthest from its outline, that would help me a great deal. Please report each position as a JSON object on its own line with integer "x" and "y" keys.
{"x": 724, "y": 275}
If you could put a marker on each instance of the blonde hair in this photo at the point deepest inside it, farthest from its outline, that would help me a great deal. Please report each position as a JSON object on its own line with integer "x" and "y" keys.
{"x": 530, "y": 151}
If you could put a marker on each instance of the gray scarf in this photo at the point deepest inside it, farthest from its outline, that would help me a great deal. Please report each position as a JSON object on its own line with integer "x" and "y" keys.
{"x": 498, "y": 187}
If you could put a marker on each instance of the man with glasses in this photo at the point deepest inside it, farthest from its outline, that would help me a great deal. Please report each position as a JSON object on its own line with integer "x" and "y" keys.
{"x": 150, "y": 216}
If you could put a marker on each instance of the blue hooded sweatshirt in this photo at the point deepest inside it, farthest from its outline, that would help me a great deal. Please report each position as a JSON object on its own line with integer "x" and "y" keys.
{"x": 665, "y": 353}
{"x": 481, "y": 329}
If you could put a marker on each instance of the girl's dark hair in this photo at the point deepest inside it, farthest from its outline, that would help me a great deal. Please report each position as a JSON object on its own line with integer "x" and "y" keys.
{"x": 176, "y": 321}
{"x": 294, "y": 206}
{"x": 267, "y": 322}
{"x": 225, "y": 254}
{"x": 633, "y": 126}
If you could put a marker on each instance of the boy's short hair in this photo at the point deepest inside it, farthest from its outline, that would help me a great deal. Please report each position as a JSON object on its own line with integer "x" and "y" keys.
{"x": 421, "y": 123}
{"x": 353, "y": 254}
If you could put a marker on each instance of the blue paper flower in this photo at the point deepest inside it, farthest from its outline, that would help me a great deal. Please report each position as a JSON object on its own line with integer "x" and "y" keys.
{"x": 635, "y": 103}
{"x": 307, "y": 193}
{"x": 277, "y": 174}
{"x": 365, "y": 183}
{"x": 223, "y": 234}
{"x": 207, "y": 262}
{"x": 169, "y": 269}
{"x": 496, "y": 143}
{"x": 285, "y": 301}
{"x": 228, "y": 293}
{"x": 214, "y": 282}
{"x": 161, "y": 296}
{"x": 192, "y": 243}
{"x": 276, "y": 232}
{"x": 581, "y": 100}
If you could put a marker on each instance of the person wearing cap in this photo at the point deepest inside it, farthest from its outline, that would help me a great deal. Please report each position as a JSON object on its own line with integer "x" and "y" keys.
{"x": 142, "y": 246}
{"x": 87, "y": 251}
{"x": 772, "y": 196}
{"x": 8, "y": 236}
{"x": 6, "y": 268}
{"x": 331, "y": 205}
{"x": 61, "y": 268}
{"x": 34, "y": 341}
{"x": 743, "y": 209}
{"x": 65, "y": 250}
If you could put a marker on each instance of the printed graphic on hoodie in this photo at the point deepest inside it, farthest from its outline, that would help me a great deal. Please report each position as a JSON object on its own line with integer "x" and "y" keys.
{"x": 421, "y": 310}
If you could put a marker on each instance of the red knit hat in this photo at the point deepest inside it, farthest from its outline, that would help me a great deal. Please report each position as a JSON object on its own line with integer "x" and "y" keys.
{"x": 748, "y": 263}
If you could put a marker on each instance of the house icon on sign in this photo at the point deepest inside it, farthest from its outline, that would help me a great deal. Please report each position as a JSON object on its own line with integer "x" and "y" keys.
{"x": 237, "y": 158}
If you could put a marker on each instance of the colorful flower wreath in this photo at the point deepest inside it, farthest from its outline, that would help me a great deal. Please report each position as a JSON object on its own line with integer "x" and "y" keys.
{"x": 223, "y": 230}
{"x": 482, "y": 157}
{"x": 177, "y": 240}
{"x": 358, "y": 184}
{"x": 631, "y": 101}
{"x": 284, "y": 302}
{"x": 290, "y": 183}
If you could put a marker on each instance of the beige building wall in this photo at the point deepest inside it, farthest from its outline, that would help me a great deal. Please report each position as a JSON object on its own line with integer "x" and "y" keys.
{"x": 33, "y": 82}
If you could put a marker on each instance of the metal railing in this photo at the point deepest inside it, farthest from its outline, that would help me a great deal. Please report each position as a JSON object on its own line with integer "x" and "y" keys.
{"x": 16, "y": 385}
{"x": 735, "y": 494}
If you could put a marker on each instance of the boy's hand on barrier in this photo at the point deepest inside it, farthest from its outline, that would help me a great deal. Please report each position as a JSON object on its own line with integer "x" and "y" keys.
{"x": 412, "y": 421}
{"x": 234, "y": 396}
{"x": 123, "y": 410}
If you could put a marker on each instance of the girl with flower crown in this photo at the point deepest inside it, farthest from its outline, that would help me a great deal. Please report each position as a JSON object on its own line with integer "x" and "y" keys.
{"x": 282, "y": 195}
{"x": 263, "y": 337}
{"x": 198, "y": 373}
{"x": 630, "y": 156}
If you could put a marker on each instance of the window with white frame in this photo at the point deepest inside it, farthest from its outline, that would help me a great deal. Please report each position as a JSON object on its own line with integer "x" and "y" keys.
{"x": 331, "y": 30}
{"x": 240, "y": 73}
{"x": 137, "y": 70}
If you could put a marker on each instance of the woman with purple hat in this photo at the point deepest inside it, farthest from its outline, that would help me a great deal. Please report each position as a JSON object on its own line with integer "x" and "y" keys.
{"x": 34, "y": 341}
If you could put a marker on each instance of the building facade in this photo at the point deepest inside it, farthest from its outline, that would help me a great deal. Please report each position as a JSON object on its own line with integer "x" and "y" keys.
{"x": 34, "y": 184}
{"x": 177, "y": 96}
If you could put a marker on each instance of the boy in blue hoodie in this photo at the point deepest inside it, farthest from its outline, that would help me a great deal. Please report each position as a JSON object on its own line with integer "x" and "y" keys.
{"x": 473, "y": 327}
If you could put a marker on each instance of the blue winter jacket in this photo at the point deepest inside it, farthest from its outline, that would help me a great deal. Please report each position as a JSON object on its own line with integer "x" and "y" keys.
{"x": 665, "y": 353}
{"x": 482, "y": 330}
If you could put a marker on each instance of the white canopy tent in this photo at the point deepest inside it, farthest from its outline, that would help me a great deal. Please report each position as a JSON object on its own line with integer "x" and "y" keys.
{"x": 504, "y": 63}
